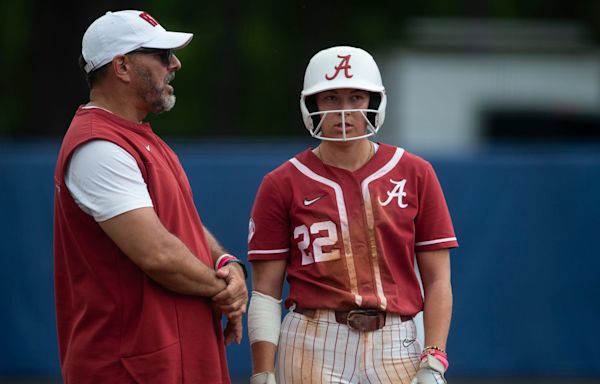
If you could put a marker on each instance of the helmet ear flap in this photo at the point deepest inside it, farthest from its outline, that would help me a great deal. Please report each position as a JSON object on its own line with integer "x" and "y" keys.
{"x": 311, "y": 106}
{"x": 374, "y": 103}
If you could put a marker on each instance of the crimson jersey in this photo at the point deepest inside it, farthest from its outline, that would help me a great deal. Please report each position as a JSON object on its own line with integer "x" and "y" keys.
{"x": 350, "y": 237}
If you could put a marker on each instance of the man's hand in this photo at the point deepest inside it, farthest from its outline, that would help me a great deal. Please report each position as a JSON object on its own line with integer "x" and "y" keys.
{"x": 431, "y": 371}
{"x": 233, "y": 299}
{"x": 234, "y": 330}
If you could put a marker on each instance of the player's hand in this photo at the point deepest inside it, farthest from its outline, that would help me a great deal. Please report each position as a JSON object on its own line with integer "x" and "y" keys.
{"x": 233, "y": 299}
{"x": 431, "y": 371}
{"x": 234, "y": 330}
{"x": 263, "y": 378}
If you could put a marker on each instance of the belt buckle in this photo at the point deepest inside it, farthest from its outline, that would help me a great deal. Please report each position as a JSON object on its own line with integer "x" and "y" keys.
{"x": 365, "y": 312}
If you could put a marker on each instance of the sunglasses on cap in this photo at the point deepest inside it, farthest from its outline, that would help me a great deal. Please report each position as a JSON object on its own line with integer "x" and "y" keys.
{"x": 165, "y": 55}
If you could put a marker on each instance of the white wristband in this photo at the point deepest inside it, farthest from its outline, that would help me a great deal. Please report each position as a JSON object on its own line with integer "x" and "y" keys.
{"x": 263, "y": 378}
{"x": 264, "y": 318}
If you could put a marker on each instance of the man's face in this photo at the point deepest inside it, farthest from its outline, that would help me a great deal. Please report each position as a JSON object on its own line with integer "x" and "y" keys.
{"x": 153, "y": 73}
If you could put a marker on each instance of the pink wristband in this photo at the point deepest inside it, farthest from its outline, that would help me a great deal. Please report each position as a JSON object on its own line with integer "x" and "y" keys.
{"x": 222, "y": 260}
{"x": 439, "y": 355}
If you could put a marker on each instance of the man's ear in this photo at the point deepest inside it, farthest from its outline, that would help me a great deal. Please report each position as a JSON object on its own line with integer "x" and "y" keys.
{"x": 121, "y": 66}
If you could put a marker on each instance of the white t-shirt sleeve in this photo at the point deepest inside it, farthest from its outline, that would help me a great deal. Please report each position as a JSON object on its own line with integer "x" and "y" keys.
{"x": 105, "y": 180}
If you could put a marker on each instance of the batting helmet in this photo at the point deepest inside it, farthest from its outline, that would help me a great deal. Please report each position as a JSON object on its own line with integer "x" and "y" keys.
{"x": 338, "y": 68}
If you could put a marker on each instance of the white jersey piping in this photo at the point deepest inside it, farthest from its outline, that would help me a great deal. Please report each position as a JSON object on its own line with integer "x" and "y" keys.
{"x": 339, "y": 197}
{"x": 371, "y": 221}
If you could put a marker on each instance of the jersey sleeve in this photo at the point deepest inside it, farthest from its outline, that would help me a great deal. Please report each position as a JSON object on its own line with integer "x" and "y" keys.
{"x": 268, "y": 237}
{"x": 105, "y": 180}
{"x": 433, "y": 225}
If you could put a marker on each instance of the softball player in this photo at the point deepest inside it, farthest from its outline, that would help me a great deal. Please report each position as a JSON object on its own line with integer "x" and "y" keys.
{"x": 344, "y": 222}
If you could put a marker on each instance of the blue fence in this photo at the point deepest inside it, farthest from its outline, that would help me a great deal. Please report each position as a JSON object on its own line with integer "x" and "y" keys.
{"x": 526, "y": 286}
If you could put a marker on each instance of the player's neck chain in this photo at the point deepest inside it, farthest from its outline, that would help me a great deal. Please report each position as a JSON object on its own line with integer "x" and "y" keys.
{"x": 370, "y": 155}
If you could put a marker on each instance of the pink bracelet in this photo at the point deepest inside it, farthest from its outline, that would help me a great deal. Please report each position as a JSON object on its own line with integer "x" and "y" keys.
{"x": 438, "y": 354}
{"x": 222, "y": 260}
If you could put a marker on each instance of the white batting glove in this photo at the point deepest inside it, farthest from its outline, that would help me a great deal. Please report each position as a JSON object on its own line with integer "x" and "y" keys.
{"x": 263, "y": 378}
{"x": 431, "y": 371}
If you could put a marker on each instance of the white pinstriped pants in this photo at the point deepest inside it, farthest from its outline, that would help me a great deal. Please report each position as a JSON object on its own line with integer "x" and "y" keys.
{"x": 320, "y": 350}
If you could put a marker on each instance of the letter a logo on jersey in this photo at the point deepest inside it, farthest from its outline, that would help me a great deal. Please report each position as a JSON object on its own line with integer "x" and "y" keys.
{"x": 398, "y": 192}
{"x": 345, "y": 65}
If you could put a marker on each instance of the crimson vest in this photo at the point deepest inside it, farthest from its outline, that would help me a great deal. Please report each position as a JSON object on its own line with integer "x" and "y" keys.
{"x": 115, "y": 324}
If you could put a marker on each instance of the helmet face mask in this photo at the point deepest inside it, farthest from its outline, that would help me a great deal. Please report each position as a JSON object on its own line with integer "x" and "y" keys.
{"x": 317, "y": 131}
{"x": 342, "y": 68}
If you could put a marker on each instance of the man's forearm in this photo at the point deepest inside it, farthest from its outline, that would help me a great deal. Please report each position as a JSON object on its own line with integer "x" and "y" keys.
{"x": 160, "y": 254}
{"x": 180, "y": 271}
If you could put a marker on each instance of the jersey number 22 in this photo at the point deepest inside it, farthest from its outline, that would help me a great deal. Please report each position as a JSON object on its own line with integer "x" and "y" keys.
{"x": 316, "y": 254}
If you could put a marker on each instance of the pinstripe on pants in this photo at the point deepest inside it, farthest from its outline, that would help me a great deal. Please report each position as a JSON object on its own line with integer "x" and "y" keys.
{"x": 320, "y": 350}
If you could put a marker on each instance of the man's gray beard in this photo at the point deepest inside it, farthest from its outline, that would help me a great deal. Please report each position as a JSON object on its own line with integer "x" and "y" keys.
{"x": 162, "y": 102}
{"x": 167, "y": 103}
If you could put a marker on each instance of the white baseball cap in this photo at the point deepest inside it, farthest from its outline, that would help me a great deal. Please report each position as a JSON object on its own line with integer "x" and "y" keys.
{"x": 118, "y": 33}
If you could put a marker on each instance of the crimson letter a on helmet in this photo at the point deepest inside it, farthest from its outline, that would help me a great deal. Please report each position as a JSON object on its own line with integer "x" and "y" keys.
{"x": 345, "y": 65}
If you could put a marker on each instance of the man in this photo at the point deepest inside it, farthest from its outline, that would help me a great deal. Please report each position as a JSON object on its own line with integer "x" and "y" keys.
{"x": 137, "y": 297}
{"x": 345, "y": 221}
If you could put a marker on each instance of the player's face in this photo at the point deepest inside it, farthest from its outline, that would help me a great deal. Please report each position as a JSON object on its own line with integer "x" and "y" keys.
{"x": 342, "y": 99}
{"x": 153, "y": 73}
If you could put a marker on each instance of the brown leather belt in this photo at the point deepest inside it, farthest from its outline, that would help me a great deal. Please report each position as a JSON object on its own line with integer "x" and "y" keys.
{"x": 364, "y": 320}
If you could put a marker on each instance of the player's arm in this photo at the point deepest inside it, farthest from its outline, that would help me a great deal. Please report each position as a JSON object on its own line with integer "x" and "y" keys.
{"x": 433, "y": 222}
{"x": 264, "y": 316}
{"x": 434, "y": 267}
{"x": 269, "y": 232}
{"x": 435, "y": 275}
{"x": 161, "y": 255}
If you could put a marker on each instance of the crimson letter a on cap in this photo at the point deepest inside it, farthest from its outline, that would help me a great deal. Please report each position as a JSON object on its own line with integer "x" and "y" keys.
{"x": 151, "y": 20}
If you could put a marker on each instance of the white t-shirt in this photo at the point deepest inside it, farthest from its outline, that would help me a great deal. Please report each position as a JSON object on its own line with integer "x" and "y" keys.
{"x": 105, "y": 180}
